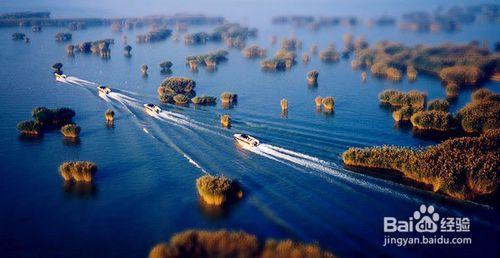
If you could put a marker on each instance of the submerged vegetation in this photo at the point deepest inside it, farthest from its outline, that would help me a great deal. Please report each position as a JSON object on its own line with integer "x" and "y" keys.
{"x": 78, "y": 171}
{"x": 463, "y": 168}
{"x": 217, "y": 190}
{"x": 226, "y": 244}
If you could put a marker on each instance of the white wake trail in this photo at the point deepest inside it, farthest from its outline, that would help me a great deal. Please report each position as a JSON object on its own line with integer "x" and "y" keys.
{"x": 78, "y": 80}
{"x": 307, "y": 161}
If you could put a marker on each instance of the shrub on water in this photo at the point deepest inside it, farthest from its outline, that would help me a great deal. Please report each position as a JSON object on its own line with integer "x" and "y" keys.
{"x": 71, "y": 130}
{"x": 479, "y": 116}
{"x": 204, "y": 100}
{"x": 181, "y": 99}
{"x": 462, "y": 75}
{"x": 462, "y": 167}
{"x": 227, "y": 244}
{"x": 481, "y": 94}
{"x": 433, "y": 120}
{"x": 29, "y": 128}
{"x": 78, "y": 171}
{"x": 328, "y": 103}
{"x": 228, "y": 97}
{"x": 216, "y": 190}
{"x": 438, "y": 104}
{"x": 109, "y": 115}
{"x": 312, "y": 77}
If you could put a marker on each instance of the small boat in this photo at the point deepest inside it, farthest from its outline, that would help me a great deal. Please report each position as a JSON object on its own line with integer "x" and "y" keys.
{"x": 152, "y": 108}
{"x": 246, "y": 139}
{"x": 60, "y": 76}
{"x": 103, "y": 89}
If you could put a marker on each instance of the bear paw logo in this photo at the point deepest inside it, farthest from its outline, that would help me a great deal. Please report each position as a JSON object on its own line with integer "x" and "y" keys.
{"x": 426, "y": 218}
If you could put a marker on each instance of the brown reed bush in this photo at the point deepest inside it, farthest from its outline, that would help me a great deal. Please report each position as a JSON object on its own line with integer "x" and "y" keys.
{"x": 228, "y": 97}
{"x": 462, "y": 168}
{"x": 480, "y": 115}
{"x": 71, "y": 130}
{"x": 109, "y": 115}
{"x": 438, "y": 104}
{"x": 328, "y": 103}
{"x": 229, "y": 244}
{"x": 78, "y": 171}
{"x": 312, "y": 77}
{"x": 225, "y": 121}
{"x": 217, "y": 190}
{"x": 284, "y": 104}
{"x": 433, "y": 120}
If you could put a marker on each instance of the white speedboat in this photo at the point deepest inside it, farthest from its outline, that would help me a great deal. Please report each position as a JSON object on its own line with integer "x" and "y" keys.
{"x": 152, "y": 108}
{"x": 246, "y": 139}
{"x": 60, "y": 76}
{"x": 103, "y": 89}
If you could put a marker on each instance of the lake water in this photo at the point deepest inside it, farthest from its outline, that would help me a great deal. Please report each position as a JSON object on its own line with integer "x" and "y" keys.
{"x": 295, "y": 184}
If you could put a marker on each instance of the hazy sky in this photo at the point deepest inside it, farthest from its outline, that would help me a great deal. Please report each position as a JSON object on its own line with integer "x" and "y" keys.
{"x": 234, "y": 9}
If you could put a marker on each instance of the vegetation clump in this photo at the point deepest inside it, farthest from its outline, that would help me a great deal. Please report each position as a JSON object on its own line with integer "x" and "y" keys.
{"x": 172, "y": 86}
{"x": 204, "y": 100}
{"x": 283, "y": 59}
{"x": 217, "y": 190}
{"x": 71, "y": 130}
{"x": 157, "y": 34}
{"x": 78, "y": 171}
{"x": 318, "y": 101}
{"x": 180, "y": 99}
{"x": 481, "y": 114}
{"x": 144, "y": 70}
{"x": 254, "y": 51}
{"x": 109, "y": 115}
{"x": 232, "y": 34}
{"x": 30, "y": 128}
{"x": 438, "y": 104}
{"x": 452, "y": 91}
{"x": 463, "y": 168}
{"x": 404, "y": 113}
{"x": 312, "y": 77}
{"x": 328, "y": 103}
{"x": 227, "y": 244}
{"x": 165, "y": 66}
{"x": 397, "y": 98}
{"x": 225, "y": 120}
{"x": 284, "y": 104}
{"x": 18, "y": 36}
{"x": 126, "y": 50}
{"x": 228, "y": 97}
{"x": 48, "y": 118}
{"x": 291, "y": 44}
{"x": 458, "y": 64}
{"x": 433, "y": 120}
{"x": 209, "y": 60}
{"x": 329, "y": 55}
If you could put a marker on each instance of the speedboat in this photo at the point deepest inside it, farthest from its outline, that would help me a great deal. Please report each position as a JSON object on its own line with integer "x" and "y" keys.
{"x": 246, "y": 139}
{"x": 152, "y": 108}
{"x": 60, "y": 76}
{"x": 103, "y": 89}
